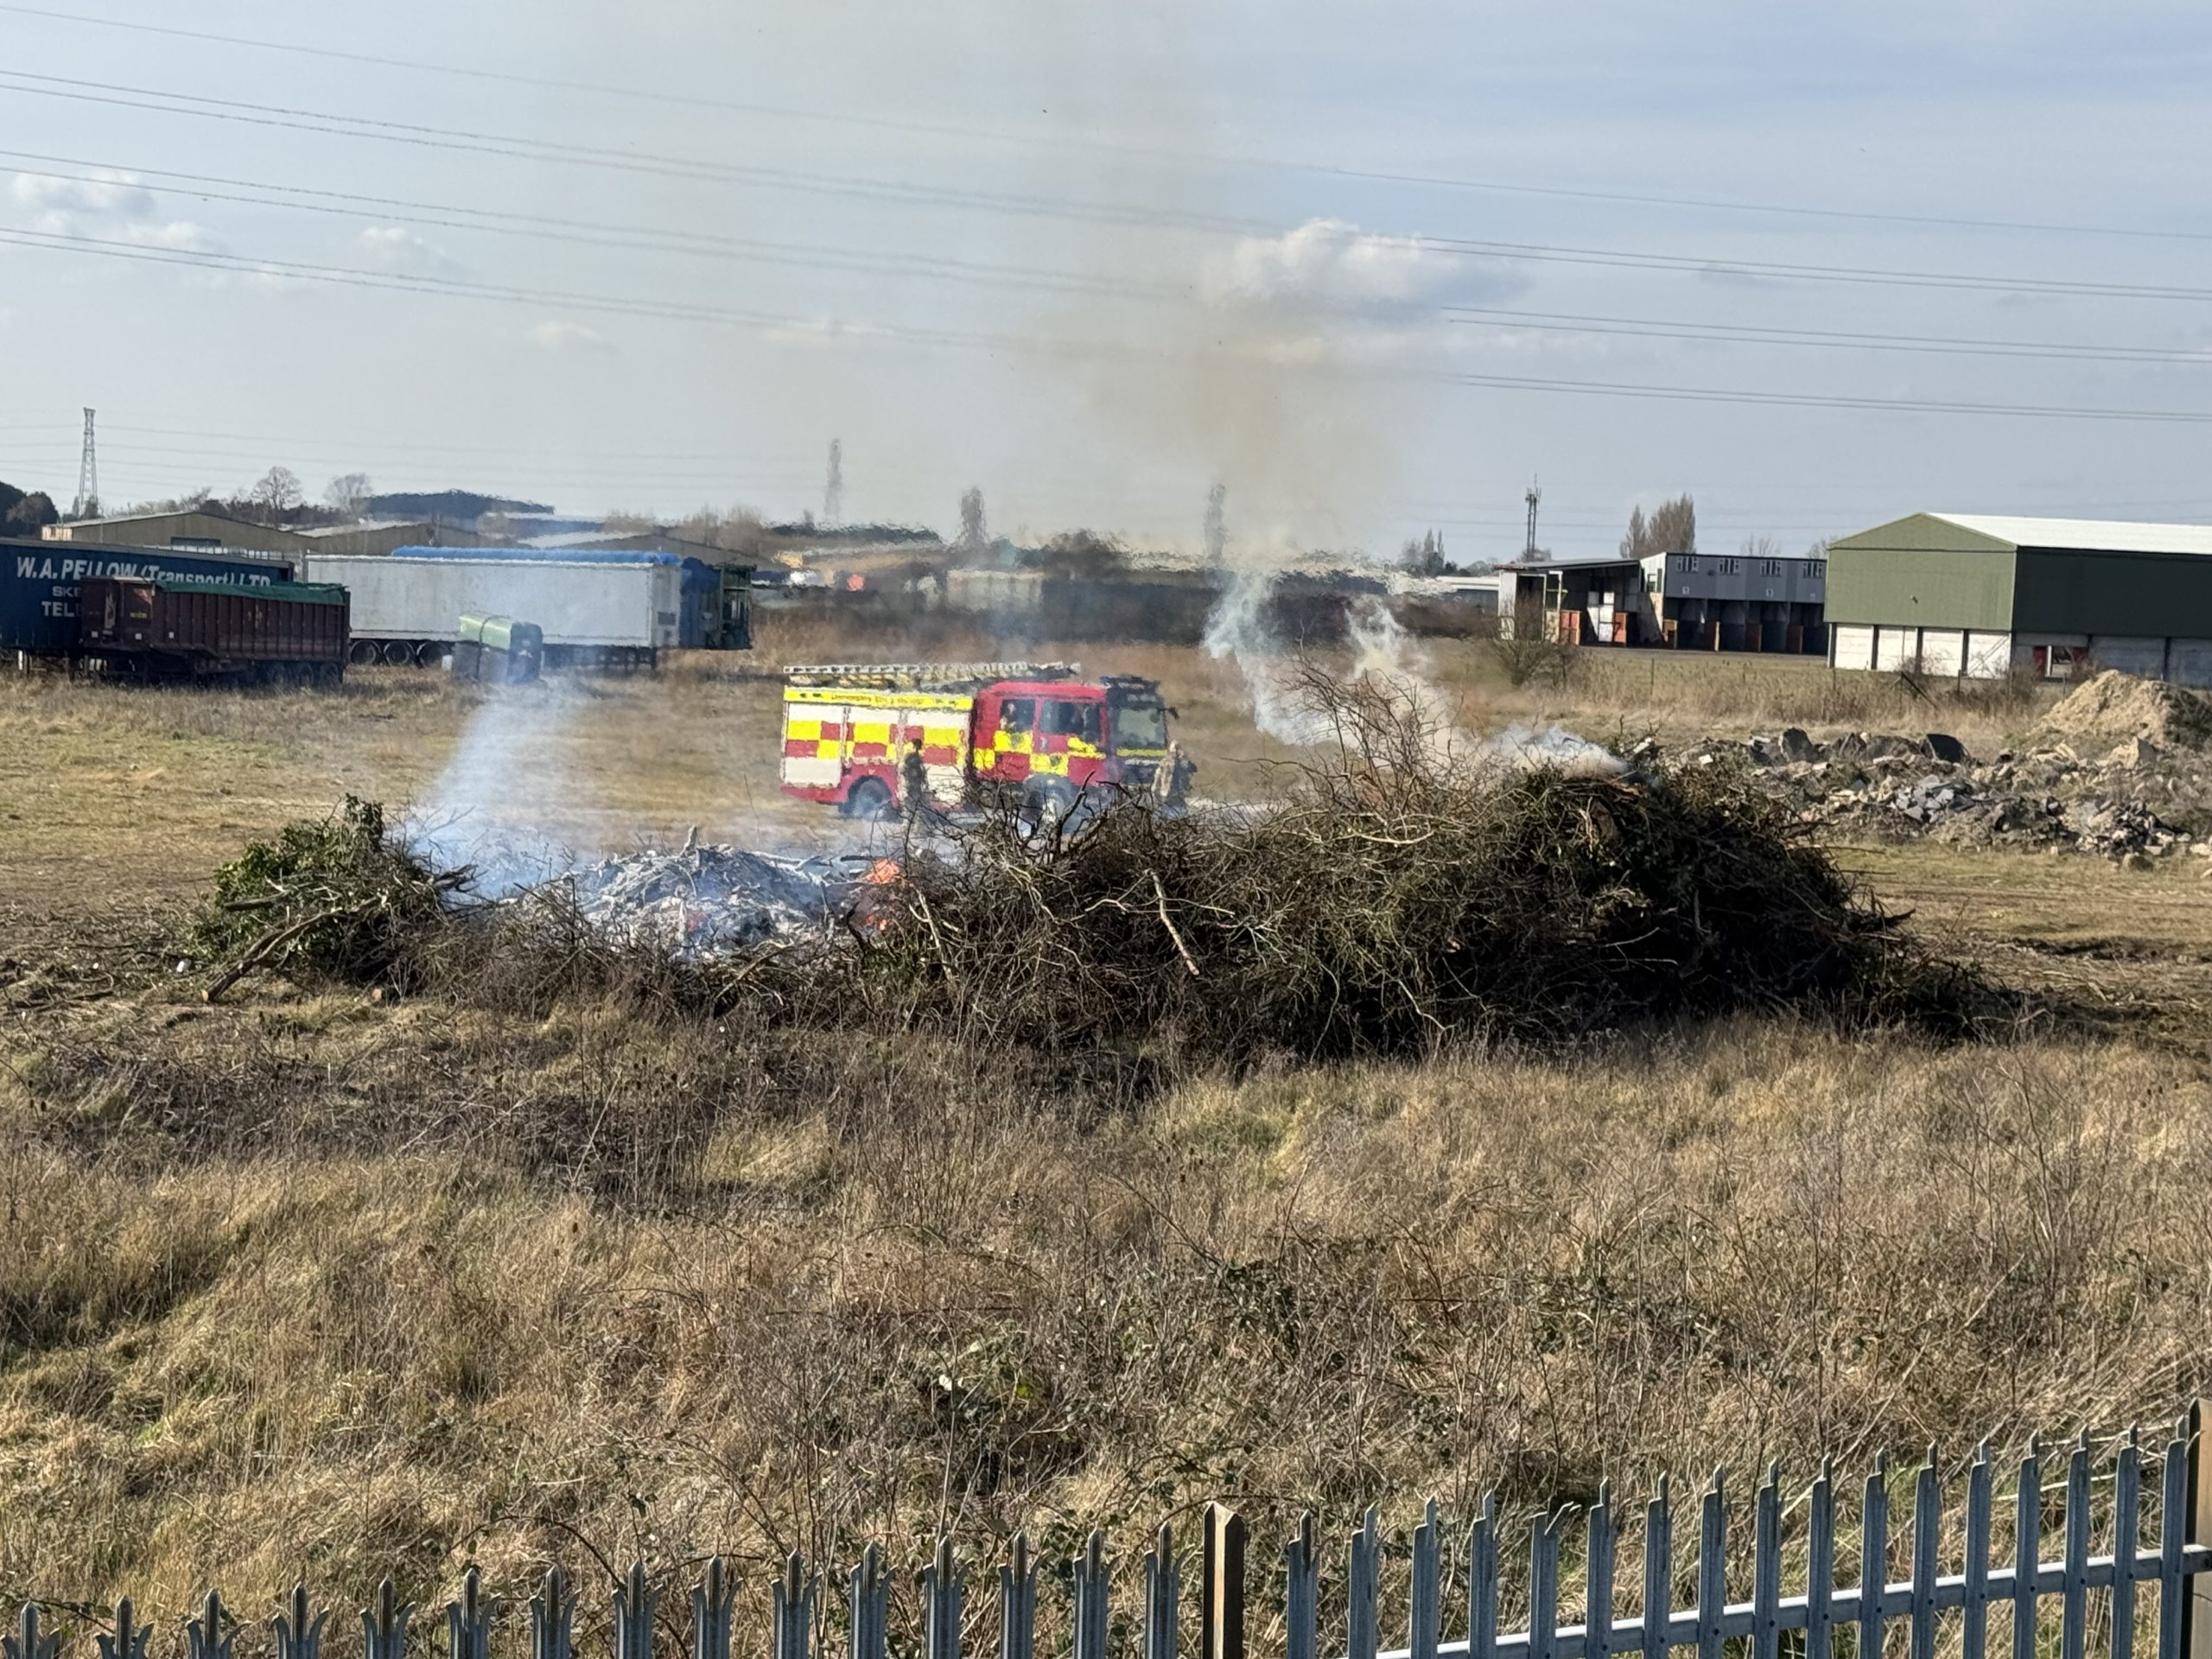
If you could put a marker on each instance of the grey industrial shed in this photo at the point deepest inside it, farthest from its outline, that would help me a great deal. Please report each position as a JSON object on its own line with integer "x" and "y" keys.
{"x": 1967, "y": 594}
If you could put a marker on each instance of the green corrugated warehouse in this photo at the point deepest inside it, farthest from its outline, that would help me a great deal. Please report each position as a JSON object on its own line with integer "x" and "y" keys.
{"x": 1963, "y": 594}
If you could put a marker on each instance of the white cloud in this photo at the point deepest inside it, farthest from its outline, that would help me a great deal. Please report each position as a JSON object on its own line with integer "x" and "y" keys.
{"x": 107, "y": 206}
{"x": 396, "y": 248}
{"x": 1326, "y": 264}
{"x": 563, "y": 334}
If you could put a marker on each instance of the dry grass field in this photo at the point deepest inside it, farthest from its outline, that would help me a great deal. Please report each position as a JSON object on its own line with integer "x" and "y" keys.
{"x": 343, "y": 1284}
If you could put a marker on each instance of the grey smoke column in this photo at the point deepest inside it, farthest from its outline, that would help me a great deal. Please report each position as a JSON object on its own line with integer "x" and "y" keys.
{"x": 833, "y": 492}
{"x": 1217, "y": 527}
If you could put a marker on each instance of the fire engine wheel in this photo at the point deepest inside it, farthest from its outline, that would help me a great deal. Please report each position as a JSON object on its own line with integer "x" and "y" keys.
{"x": 870, "y": 802}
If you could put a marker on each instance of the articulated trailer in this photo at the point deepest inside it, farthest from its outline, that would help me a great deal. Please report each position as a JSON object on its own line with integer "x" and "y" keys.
{"x": 407, "y": 609}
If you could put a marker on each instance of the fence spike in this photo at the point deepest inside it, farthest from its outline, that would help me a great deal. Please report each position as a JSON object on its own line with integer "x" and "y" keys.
{"x": 2173, "y": 1537}
{"x": 552, "y": 1618}
{"x": 1424, "y": 1605}
{"x": 1362, "y": 1631}
{"x": 2073, "y": 1577}
{"x": 1973, "y": 1619}
{"x": 383, "y": 1627}
{"x": 1091, "y": 1591}
{"x": 1162, "y": 1588}
{"x": 1482, "y": 1580}
{"x": 298, "y": 1632}
{"x": 1874, "y": 1557}
{"x": 1017, "y": 1602}
{"x": 1301, "y": 1592}
{"x": 943, "y": 1583}
{"x": 1766, "y": 1566}
{"x": 2127, "y": 1542}
{"x": 792, "y": 1611}
{"x": 30, "y": 1642}
{"x": 1712, "y": 1567}
{"x": 1820, "y": 1565}
{"x": 1658, "y": 1572}
{"x": 206, "y": 1636}
{"x": 2027, "y": 1550}
{"x": 129, "y": 1640}
{"x": 713, "y": 1600}
{"x": 1598, "y": 1599}
{"x": 869, "y": 1605}
{"x": 635, "y": 1600}
{"x": 1927, "y": 1536}
{"x": 1543, "y": 1589}
{"x": 468, "y": 1620}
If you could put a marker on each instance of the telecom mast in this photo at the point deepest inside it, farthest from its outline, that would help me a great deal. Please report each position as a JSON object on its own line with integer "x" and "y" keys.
{"x": 1535, "y": 494}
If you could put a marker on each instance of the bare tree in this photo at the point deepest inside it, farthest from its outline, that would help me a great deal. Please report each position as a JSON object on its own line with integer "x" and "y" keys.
{"x": 1424, "y": 557}
{"x": 1672, "y": 526}
{"x": 348, "y": 494}
{"x": 1761, "y": 547}
{"x": 278, "y": 493}
{"x": 1636, "y": 544}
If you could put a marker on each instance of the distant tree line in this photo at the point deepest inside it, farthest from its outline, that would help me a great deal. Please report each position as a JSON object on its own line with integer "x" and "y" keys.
{"x": 24, "y": 512}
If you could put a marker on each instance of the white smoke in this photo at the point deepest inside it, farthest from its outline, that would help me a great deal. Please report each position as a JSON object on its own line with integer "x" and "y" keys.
{"x": 1384, "y": 655}
{"x": 1238, "y": 632}
{"x": 502, "y": 782}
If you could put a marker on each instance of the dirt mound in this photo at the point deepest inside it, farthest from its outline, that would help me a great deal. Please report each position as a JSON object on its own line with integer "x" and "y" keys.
{"x": 2114, "y": 707}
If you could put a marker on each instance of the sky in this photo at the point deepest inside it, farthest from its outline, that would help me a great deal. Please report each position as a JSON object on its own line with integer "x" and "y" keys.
{"x": 1374, "y": 268}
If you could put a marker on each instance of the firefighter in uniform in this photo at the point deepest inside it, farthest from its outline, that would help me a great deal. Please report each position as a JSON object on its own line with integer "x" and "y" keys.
{"x": 1172, "y": 780}
{"x": 913, "y": 781}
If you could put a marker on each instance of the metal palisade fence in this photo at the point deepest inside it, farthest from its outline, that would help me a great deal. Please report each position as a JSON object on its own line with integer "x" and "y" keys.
{"x": 2015, "y": 1556}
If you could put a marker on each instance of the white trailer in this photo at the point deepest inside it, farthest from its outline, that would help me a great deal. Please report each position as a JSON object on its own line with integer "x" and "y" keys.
{"x": 409, "y": 610}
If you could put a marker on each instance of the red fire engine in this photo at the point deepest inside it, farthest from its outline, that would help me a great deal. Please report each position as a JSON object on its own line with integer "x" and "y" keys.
{"x": 1031, "y": 729}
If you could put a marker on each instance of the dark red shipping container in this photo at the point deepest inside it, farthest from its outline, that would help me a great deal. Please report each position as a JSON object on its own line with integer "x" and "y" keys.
{"x": 154, "y": 626}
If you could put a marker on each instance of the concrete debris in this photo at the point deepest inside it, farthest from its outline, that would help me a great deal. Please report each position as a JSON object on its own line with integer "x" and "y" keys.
{"x": 707, "y": 900}
{"x": 2047, "y": 797}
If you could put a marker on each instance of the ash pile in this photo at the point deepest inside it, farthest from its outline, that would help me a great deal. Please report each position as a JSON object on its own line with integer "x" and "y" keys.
{"x": 703, "y": 902}
{"x": 2121, "y": 769}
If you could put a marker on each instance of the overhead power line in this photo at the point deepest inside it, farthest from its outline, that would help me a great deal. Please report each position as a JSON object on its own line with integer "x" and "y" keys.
{"x": 347, "y": 277}
{"x": 704, "y": 243}
{"x": 462, "y": 140}
{"x": 1094, "y": 143}
{"x": 1641, "y": 328}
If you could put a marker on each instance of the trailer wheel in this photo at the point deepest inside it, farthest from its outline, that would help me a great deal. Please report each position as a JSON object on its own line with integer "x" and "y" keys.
{"x": 362, "y": 652}
{"x": 870, "y": 802}
{"x": 399, "y": 652}
{"x": 429, "y": 654}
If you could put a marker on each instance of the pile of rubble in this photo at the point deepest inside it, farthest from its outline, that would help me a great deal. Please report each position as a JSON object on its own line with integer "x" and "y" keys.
{"x": 2051, "y": 796}
{"x": 709, "y": 901}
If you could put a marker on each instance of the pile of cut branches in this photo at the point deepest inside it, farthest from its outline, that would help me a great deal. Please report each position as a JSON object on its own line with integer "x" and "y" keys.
{"x": 330, "y": 900}
{"x": 1396, "y": 895}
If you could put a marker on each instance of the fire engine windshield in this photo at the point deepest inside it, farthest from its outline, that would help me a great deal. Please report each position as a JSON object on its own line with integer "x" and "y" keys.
{"x": 1139, "y": 725}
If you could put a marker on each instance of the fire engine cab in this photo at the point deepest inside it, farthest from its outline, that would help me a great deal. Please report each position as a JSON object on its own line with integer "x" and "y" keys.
{"x": 1035, "y": 731}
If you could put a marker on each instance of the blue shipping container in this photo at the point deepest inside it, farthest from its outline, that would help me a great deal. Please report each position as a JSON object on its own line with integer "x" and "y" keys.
{"x": 701, "y": 588}
{"x": 39, "y": 582}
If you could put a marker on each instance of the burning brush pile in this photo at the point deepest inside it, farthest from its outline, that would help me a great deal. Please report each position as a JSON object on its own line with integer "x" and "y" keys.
{"x": 1388, "y": 902}
{"x": 709, "y": 902}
